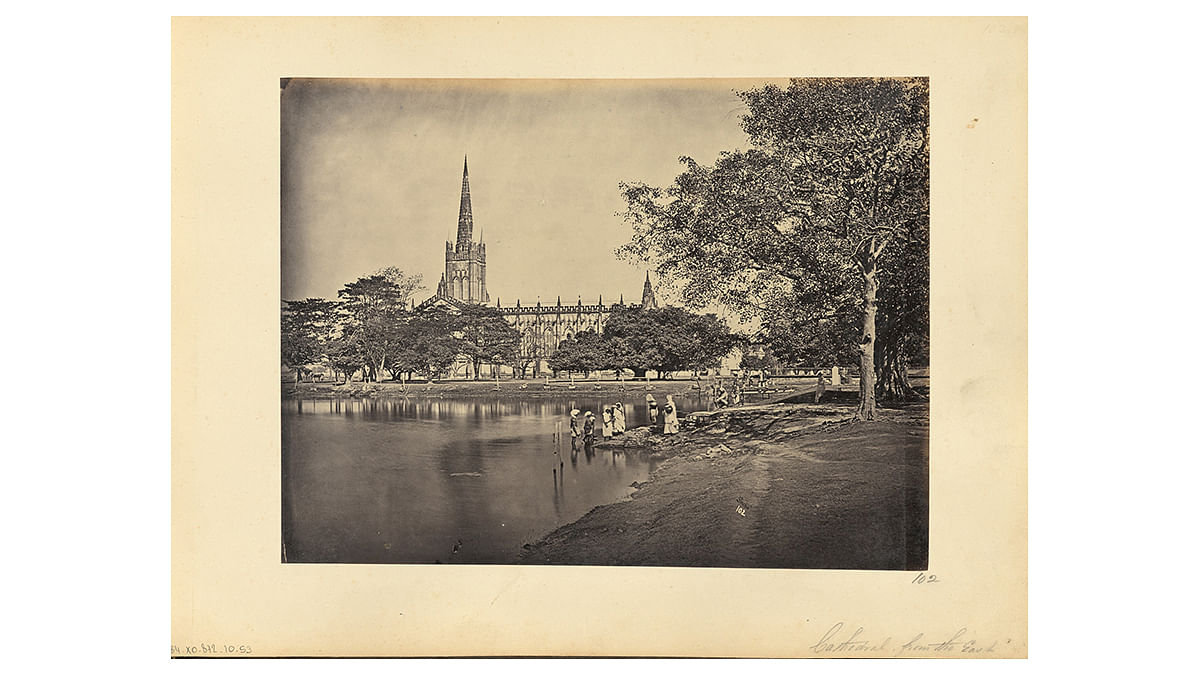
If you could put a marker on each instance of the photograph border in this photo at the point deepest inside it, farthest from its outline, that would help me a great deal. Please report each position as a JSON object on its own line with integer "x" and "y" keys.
{"x": 228, "y": 586}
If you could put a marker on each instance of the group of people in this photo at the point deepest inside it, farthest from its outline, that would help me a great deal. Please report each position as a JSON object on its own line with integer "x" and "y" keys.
{"x": 613, "y": 423}
{"x": 720, "y": 397}
{"x": 670, "y": 414}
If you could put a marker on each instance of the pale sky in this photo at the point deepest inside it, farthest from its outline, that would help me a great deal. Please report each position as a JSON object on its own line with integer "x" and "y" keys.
{"x": 372, "y": 171}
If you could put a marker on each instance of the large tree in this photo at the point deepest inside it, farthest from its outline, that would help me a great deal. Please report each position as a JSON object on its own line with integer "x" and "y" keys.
{"x": 529, "y": 352}
{"x": 903, "y": 321}
{"x": 345, "y": 356}
{"x": 583, "y": 353}
{"x": 665, "y": 340}
{"x": 374, "y": 312}
{"x": 635, "y": 339}
{"x": 307, "y": 326}
{"x": 431, "y": 344}
{"x": 486, "y": 336}
{"x": 793, "y": 232}
{"x": 706, "y": 337}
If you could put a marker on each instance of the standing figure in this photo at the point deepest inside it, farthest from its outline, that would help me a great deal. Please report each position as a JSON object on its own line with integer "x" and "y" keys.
{"x": 737, "y": 393}
{"x": 652, "y": 406}
{"x": 589, "y": 430}
{"x": 574, "y": 428}
{"x": 618, "y": 419}
{"x": 607, "y": 429}
{"x": 820, "y": 387}
{"x": 670, "y": 417}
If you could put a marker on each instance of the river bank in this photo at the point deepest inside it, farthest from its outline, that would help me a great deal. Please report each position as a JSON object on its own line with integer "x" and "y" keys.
{"x": 523, "y": 389}
{"x": 780, "y": 485}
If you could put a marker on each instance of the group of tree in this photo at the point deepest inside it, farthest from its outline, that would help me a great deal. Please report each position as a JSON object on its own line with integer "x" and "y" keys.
{"x": 373, "y": 328}
{"x": 818, "y": 232}
{"x": 642, "y": 339}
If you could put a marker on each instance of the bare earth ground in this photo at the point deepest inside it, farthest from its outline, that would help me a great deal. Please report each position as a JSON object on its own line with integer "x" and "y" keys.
{"x": 817, "y": 490}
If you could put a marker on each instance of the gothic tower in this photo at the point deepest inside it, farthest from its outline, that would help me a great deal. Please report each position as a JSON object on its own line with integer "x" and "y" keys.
{"x": 465, "y": 277}
{"x": 648, "y": 299}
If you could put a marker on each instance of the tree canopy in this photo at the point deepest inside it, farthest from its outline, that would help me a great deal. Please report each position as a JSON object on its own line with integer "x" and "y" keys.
{"x": 799, "y": 231}
{"x": 307, "y": 327}
{"x": 486, "y": 337}
{"x": 640, "y": 339}
{"x": 374, "y": 308}
{"x": 371, "y": 327}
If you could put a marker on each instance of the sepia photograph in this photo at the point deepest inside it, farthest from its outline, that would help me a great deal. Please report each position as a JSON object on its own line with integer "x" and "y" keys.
{"x": 617, "y": 322}
{"x": 574, "y": 337}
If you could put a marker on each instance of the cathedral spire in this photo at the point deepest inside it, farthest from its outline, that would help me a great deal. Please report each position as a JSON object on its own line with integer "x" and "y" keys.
{"x": 648, "y": 299}
{"x": 465, "y": 222}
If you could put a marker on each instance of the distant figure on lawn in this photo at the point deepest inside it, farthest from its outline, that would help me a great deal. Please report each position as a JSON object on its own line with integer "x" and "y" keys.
{"x": 574, "y": 428}
{"x": 652, "y": 406}
{"x": 607, "y": 430}
{"x": 618, "y": 419}
{"x": 589, "y": 429}
{"x": 670, "y": 417}
{"x": 820, "y": 387}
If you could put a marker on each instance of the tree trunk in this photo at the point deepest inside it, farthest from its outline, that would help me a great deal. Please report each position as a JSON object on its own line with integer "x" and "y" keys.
{"x": 866, "y": 346}
{"x": 893, "y": 381}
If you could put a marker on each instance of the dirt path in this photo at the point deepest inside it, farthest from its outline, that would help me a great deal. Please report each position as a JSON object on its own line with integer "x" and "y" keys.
{"x": 813, "y": 492}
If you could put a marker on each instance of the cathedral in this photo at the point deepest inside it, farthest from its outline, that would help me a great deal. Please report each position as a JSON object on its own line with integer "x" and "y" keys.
{"x": 542, "y": 327}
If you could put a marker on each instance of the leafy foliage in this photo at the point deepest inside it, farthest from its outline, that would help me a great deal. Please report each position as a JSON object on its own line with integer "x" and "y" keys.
{"x": 666, "y": 339}
{"x": 792, "y": 232}
{"x": 374, "y": 312}
{"x": 764, "y": 361}
{"x": 583, "y": 353}
{"x": 486, "y": 337}
{"x": 306, "y": 328}
{"x": 431, "y": 345}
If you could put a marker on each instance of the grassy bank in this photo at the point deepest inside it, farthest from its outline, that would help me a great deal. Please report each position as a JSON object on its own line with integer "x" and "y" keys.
{"x": 781, "y": 485}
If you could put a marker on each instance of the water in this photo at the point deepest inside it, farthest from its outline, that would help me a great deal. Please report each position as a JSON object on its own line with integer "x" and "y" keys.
{"x": 409, "y": 481}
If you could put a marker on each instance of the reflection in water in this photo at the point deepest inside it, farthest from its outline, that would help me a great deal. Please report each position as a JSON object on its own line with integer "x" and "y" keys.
{"x": 440, "y": 480}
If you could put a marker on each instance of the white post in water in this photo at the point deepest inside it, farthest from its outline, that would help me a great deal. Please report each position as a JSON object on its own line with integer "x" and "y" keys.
{"x": 836, "y": 378}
